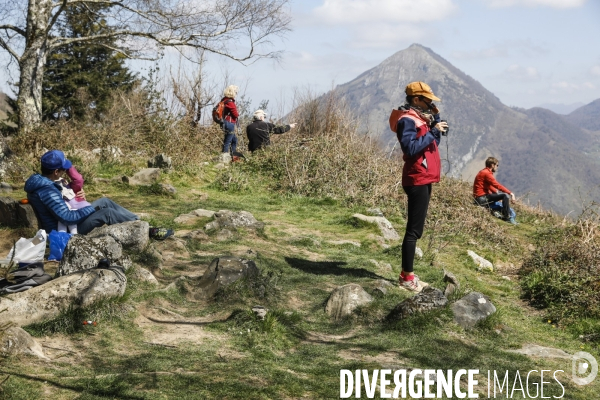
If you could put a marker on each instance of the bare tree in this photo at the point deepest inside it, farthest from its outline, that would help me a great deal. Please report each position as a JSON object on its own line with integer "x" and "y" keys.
{"x": 238, "y": 29}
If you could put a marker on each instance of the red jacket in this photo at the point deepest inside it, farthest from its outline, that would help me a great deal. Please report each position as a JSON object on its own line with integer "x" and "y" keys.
{"x": 425, "y": 166}
{"x": 485, "y": 183}
{"x": 230, "y": 113}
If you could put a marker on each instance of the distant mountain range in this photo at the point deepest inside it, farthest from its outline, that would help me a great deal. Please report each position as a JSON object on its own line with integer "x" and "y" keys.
{"x": 552, "y": 159}
{"x": 562, "y": 109}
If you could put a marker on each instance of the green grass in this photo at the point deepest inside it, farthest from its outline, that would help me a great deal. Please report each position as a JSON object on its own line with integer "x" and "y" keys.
{"x": 297, "y": 351}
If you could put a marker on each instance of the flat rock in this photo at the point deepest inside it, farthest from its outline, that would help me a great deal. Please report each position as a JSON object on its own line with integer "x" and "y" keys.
{"x": 344, "y": 241}
{"x": 14, "y": 214}
{"x": 428, "y": 299}
{"x": 385, "y": 226}
{"x": 15, "y": 341}
{"x": 79, "y": 289}
{"x": 534, "y": 350}
{"x": 482, "y": 263}
{"x": 172, "y": 248}
{"x": 132, "y": 235}
{"x": 225, "y": 219}
{"x": 143, "y": 275}
{"x": 345, "y": 299}
{"x": 471, "y": 309}
{"x": 222, "y": 272}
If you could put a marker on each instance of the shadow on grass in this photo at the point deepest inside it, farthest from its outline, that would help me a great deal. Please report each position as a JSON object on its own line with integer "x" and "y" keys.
{"x": 329, "y": 268}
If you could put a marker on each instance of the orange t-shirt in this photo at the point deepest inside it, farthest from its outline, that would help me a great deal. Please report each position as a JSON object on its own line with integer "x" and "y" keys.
{"x": 485, "y": 183}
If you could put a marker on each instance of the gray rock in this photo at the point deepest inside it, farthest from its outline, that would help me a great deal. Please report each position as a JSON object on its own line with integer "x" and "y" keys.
{"x": 233, "y": 219}
{"x": 167, "y": 188}
{"x": 345, "y": 241}
{"x": 132, "y": 235}
{"x": 379, "y": 291}
{"x": 5, "y": 187}
{"x": 482, "y": 263}
{"x": 428, "y": 299}
{"x": 15, "y": 215}
{"x": 534, "y": 350}
{"x": 203, "y": 213}
{"x": 172, "y": 248}
{"x": 375, "y": 212}
{"x": 222, "y": 272}
{"x": 80, "y": 289}
{"x": 147, "y": 176}
{"x": 108, "y": 152}
{"x": 453, "y": 283}
{"x": 260, "y": 312}
{"x": 385, "y": 226}
{"x": 224, "y": 235}
{"x": 418, "y": 252}
{"x": 196, "y": 235}
{"x": 143, "y": 275}
{"x": 224, "y": 158}
{"x": 14, "y": 341}
{"x": 471, "y": 309}
{"x": 194, "y": 216}
{"x": 84, "y": 253}
{"x": 345, "y": 299}
{"x": 161, "y": 161}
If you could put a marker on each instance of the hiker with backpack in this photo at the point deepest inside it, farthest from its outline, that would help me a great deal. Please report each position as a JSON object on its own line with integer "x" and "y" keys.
{"x": 419, "y": 129}
{"x": 487, "y": 191}
{"x": 225, "y": 113}
{"x": 259, "y": 131}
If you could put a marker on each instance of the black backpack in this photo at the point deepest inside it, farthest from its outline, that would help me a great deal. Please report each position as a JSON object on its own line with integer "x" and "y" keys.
{"x": 25, "y": 278}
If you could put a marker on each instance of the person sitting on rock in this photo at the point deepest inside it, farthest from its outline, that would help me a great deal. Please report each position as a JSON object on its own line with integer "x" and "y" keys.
{"x": 486, "y": 190}
{"x": 259, "y": 131}
{"x": 46, "y": 198}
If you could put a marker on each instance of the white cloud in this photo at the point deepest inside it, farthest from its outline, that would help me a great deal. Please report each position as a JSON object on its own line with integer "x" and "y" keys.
{"x": 341, "y": 12}
{"x": 536, "y": 3}
{"x": 515, "y": 71}
{"x": 570, "y": 87}
{"x": 595, "y": 70}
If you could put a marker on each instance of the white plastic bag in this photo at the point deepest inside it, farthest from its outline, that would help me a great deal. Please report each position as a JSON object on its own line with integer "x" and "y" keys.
{"x": 30, "y": 249}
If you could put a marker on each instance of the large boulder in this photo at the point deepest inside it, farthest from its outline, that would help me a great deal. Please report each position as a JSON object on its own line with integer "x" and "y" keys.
{"x": 428, "y": 299}
{"x": 133, "y": 235}
{"x": 79, "y": 289}
{"x": 222, "y": 272}
{"x": 345, "y": 299}
{"x": 471, "y": 309}
{"x": 84, "y": 253}
{"x": 15, "y": 341}
{"x": 14, "y": 214}
{"x": 385, "y": 226}
{"x": 225, "y": 219}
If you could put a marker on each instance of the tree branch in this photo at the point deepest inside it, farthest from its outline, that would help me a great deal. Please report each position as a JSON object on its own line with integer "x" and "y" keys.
{"x": 5, "y": 46}
{"x": 13, "y": 28}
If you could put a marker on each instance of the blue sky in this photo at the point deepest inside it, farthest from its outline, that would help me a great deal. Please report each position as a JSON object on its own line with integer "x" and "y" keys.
{"x": 527, "y": 52}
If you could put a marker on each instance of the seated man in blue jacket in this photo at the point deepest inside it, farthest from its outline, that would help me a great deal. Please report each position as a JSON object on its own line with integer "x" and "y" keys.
{"x": 45, "y": 196}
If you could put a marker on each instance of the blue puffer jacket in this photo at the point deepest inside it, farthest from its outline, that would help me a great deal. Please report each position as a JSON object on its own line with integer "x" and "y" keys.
{"x": 46, "y": 198}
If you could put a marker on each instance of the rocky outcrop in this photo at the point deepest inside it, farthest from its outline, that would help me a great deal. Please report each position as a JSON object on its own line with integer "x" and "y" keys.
{"x": 471, "y": 309}
{"x": 133, "y": 235}
{"x": 84, "y": 253}
{"x": 146, "y": 176}
{"x": 428, "y": 299}
{"x": 79, "y": 289}
{"x": 161, "y": 161}
{"x": 345, "y": 299}
{"x": 222, "y": 272}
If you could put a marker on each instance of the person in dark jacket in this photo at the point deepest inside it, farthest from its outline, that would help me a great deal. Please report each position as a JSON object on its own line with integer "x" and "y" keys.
{"x": 259, "y": 131}
{"x": 230, "y": 118}
{"x": 418, "y": 127}
{"x": 45, "y": 196}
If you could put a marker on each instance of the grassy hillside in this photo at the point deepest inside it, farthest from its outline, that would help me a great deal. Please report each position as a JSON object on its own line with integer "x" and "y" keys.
{"x": 159, "y": 343}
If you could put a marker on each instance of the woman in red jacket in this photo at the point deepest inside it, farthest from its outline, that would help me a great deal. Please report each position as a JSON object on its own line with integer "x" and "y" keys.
{"x": 230, "y": 118}
{"x": 418, "y": 128}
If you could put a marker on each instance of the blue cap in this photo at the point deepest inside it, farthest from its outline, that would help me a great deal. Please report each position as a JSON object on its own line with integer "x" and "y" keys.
{"x": 55, "y": 159}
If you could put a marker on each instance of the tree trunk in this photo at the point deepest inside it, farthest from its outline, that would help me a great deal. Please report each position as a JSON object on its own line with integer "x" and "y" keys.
{"x": 32, "y": 65}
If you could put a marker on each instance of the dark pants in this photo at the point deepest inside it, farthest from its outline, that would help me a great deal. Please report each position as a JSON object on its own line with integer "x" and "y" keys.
{"x": 418, "y": 203}
{"x": 109, "y": 213}
{"x": 492, "y": 198}
{"x": 230, "y": 138}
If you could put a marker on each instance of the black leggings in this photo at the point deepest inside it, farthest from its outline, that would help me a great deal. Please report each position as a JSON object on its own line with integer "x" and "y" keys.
{"x": 418, "y": 203}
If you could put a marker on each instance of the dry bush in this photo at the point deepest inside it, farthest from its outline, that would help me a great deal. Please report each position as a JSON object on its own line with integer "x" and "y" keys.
{"x": 562, "y": 275}
{"x": 134, "y": 125}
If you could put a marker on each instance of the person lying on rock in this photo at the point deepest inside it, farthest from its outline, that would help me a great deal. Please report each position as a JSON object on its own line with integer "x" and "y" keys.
{"x": 46, "y": 198}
